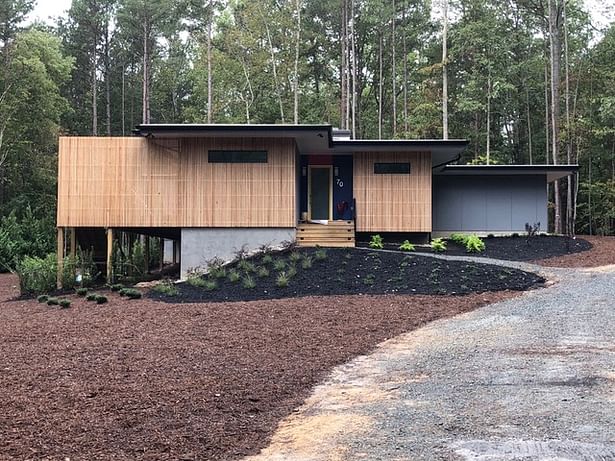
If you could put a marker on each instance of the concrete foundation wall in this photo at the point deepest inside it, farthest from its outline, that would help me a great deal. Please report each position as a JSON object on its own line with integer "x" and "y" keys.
{"x": 199, "y": 245}
{"x": 494, "y": 204}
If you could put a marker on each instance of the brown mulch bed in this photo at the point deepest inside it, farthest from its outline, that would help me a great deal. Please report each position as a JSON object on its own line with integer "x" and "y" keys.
{"x": 602, "y": 253}
{"x": 144, "y": 380}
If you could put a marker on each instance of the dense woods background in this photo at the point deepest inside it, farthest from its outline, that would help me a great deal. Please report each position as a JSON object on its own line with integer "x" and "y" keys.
{"x": 526, "y": 81}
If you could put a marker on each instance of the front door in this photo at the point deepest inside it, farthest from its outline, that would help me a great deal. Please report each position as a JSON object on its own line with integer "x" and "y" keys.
{"x": 319, "y": 192}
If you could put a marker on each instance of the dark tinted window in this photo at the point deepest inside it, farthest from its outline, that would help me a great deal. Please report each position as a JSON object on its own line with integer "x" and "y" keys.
{"x": 391, "y": 168}
{"x": 237, "y": 156}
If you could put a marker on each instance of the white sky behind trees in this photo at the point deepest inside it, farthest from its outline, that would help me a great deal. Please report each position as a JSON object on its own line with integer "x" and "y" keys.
{"x": 602, "y": 11}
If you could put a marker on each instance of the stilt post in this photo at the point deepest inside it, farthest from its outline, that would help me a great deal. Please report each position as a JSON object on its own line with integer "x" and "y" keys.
{"x": 109, "y": 255}
{"x": 60, "y": 256}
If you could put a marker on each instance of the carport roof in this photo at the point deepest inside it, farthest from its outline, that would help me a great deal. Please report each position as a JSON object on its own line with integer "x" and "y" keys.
{"x": 553, "y": 172}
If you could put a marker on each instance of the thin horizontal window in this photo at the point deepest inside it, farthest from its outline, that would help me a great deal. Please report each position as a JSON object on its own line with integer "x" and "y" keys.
{"x": 237, "y": 156}
{"x": 391, "y": 168}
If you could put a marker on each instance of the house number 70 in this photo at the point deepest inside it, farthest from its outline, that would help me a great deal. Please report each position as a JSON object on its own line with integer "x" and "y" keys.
{"x": 340, "y": 182}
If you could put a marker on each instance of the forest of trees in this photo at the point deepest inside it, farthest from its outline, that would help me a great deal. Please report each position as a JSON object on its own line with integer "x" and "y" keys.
{"x": 525, "y": 81}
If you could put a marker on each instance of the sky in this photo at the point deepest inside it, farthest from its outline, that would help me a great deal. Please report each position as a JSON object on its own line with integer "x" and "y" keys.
{"x": 602, "y": 11}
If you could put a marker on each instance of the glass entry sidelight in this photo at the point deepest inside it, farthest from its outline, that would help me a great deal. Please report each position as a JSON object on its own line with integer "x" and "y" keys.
{"x": 319, "y": 192}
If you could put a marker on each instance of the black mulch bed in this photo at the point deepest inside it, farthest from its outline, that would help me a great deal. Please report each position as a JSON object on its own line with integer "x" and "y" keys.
{"x": 513, "y": 248}
{"x": 358, "y": 271}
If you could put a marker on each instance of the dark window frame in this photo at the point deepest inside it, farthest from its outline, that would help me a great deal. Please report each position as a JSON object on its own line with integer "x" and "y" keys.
{"x": 392, "y": 168}
{"x": 237, "y": 156}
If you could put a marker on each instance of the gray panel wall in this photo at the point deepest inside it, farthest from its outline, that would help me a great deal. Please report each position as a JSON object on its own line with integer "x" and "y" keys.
{"x": 484, "y": 204}
{"x": 199, "y": 245}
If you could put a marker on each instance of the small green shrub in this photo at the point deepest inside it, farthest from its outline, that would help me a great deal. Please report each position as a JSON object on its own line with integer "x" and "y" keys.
{"x": 91, "y": 297}
{"x": 37, "y": 275}
{"x": 438, "y": 245}
{"x": 406, "y": 246}
{"x": 294, "y": 257}
{"x": 210, "y": 285}
{"x": 116, "y": 287}
{"x": 474, "y": 244}
{"x": 233, "y": 276}
{"x": 267, "y": 259}
{"x": 291, "y": 272}
{"x": 458, "y": 238}
{"x": 82, "y": 291}
{"x": 247, "y": 266}
{"x": 282, "y": 280}
{"x": 101, "y": 299}
{"x": 196, "y": 281}
{"x": 279, "y": 265}
{"x": 369, "y": 279}
{"x": 166, "y": 287}
{"x": 217, "y": 272}
{"x": 42, "y": 298}
{"x": 248, "y": 282}
{"x": 306, "y": 263}
{"x": 131, "y": 293}
{"x": 262, "y": 272}
{"x": 52, "y": 302}
{"x": 64, "y": 303}
{"x": 376, "y": 242}
{"x": 320, "y": 254}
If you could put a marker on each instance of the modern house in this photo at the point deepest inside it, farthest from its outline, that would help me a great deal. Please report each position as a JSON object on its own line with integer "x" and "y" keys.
{"x": 213, "y": 189}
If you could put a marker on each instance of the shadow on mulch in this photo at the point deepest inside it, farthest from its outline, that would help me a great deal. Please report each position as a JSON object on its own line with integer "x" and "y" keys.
{"x": 351, "y": 271}
{"x": 144, "y": 380}
{"x": 514, "y": 248}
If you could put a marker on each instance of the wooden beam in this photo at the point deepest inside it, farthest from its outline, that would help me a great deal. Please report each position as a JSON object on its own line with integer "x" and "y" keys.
{"x": 174, "y": 252}
{"x": 60, "y": 256}
{"x": 109, "y": 255}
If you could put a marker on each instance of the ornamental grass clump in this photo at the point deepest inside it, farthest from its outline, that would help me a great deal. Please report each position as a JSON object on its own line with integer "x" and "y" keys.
{"x": 210, "y": 285}
{"x": 294, "y": 257}
{"x": 249, "y": 283}
{"x": 166, "y": 287}
{"x": 279, "y": 265}
{"x": 320, "y": 254}
{"x": 306, "y": 263}
{"x": 262, "y": 272}
{"x": 376, "y": 242}
{"x": 406, "y": 246}
{"x": 438, "y": 245}
{"x": 282, "y": 280}
{"x": 233, "y": 276}
{"x": 196, "y": 281}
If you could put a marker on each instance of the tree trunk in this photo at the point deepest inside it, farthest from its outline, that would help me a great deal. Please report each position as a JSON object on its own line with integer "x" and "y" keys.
{"x": 445, "y": 72}
{"x": 107, "y": 78}
{"x": 296, "y": 73}
{"x": 547, "y": 114}
{"x": 353, "y": 43}
{"x": 274, "y": 68}
{"x": 94, "y": 94}
{"x": 146, "y": 52}
{"x": 554, "y": 38}
{"x": 209, "y": 76}
{"x": 380, "y": 86}
{"x": 343, "y": 67}
{"x": 529, "y": 124}
{"x": 570, "y": 205}
{"x": 394, "y": 71}
{"x": 405, "y": 91}
{"x": 489, "y": 118}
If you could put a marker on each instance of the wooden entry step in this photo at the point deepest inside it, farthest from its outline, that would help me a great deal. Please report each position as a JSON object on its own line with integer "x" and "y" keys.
{"x": 332, "y": 234}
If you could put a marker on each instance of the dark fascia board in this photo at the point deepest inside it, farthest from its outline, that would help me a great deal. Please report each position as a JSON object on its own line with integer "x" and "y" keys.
{"x": 552, "y": 172}
{"x": 460, "y": 143}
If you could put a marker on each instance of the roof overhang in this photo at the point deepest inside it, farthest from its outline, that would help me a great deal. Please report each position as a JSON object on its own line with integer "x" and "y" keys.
{"x": 552, "y": 172}
{"x": 310, "y": 139}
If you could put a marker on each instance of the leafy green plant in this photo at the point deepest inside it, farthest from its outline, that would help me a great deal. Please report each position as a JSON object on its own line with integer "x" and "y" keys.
{"x": 282, "y": 280}
{"x": 458, "y": 238}
{"x": 91, "y": 297}
{"x": 247, "y": 266}
{"x": 438, "y": 245}
{"x": 248, "y": 282}
{"x": 196, "y": 281}
{"x": 306, "y": 263}
{"x": 233, "y": 276}
{"x": 137, "y": 258}
{"x": 474, "y": 244}
{"x": 42, "y": 298}
{"x": 166, "y": 287}
{"x": 291, "y": 271}
{"x": 406, "y": 246}
{"x": 279, "y": 264}
{"x": 116, "y": 287}
{"x": 82, "y": 291}
{"x": 294, "y": 257}
{"x": 101, "y": 299}
{"x": 320, "y": 254}
{"x": 37, "y": 275}
{"x": 64, "y": 303}
{"x": 262, "y": 272}
{"x": 131, "y": 293}
{"x": 210, "y": 285}
{"x": 376, "y": 242}
{"x": 52, "y": 301}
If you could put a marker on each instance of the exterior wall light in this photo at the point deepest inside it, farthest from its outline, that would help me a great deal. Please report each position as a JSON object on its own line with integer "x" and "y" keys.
{"x": 303, "y": 171}
{"x": 336, "y": 171}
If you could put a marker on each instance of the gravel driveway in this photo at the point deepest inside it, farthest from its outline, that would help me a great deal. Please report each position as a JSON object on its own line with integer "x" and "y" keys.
{"x": 532, "y": 378}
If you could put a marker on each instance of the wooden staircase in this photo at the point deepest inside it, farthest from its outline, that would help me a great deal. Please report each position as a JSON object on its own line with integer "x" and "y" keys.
{"x": 333, "y": 234}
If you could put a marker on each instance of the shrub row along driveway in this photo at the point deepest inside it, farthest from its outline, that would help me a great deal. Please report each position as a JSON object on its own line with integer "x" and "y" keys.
{"x": 529, "y": 378}
{"x": 135, "y": 380}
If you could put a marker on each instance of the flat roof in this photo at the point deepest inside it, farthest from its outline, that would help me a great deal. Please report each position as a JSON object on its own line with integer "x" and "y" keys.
{"x": 313, "y": 139}
{"x": 553, "y": 172}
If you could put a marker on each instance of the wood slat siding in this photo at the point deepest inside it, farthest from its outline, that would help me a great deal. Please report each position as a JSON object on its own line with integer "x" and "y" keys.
{"x": 133, "y": 182}
{"x": 393, "y": 202}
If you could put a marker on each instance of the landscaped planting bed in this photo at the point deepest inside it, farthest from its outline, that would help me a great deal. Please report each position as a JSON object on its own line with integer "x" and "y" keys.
{"x": 145, "y": 380}
{"x": 343, "y": 272}
{"x": 512, "y": 248}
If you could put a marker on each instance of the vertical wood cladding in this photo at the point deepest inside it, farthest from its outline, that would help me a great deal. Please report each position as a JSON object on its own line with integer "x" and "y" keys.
{"x": 135, "y": 182}
{"x": 393, "y": 202}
